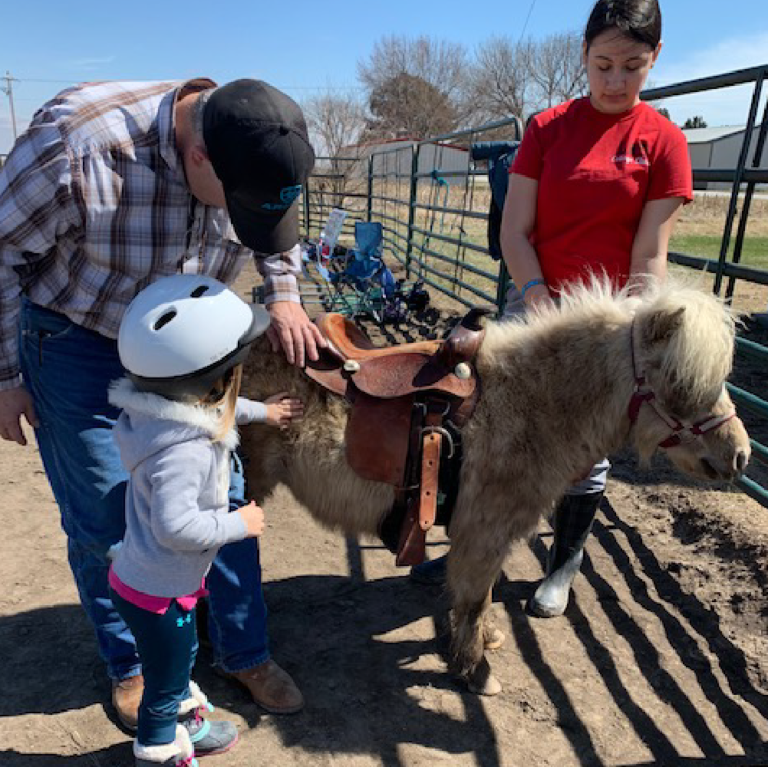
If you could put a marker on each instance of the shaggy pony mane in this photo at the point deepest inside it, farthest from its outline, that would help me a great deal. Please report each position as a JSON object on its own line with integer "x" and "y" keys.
{"x": 685, "y": 335}
{"x": 697, "y": 353}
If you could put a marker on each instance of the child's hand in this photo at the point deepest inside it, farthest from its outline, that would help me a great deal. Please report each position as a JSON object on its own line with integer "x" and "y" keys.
{"x": 282, "y": 409}
{"x": 253, "y": 516}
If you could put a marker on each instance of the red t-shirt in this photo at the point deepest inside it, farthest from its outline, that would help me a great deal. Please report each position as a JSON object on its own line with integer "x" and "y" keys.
{"x": 596, "y": 172}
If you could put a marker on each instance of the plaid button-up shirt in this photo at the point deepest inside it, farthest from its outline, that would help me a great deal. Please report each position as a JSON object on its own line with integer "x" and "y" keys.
{"x": 94, "y": 205}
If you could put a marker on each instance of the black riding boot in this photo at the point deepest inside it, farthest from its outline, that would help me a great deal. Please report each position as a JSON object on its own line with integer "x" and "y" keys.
{"x": 572, "y": 522}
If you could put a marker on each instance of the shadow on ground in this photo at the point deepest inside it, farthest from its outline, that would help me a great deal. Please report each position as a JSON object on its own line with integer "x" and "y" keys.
{"x": 371, "y": 658}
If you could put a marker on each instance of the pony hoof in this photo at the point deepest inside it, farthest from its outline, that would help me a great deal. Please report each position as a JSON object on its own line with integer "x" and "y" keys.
{"x": 482, "y": 682}
{"x": 494, "y": 639}
{"x": 490, "y": 686}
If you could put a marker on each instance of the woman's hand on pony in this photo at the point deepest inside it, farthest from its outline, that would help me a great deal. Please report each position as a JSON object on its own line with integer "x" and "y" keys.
{"x": 253, "y": 517}
{"x": 282, "y": 410}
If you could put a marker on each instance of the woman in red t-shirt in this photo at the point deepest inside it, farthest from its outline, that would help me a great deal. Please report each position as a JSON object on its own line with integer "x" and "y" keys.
{"x": 595, "y": 188}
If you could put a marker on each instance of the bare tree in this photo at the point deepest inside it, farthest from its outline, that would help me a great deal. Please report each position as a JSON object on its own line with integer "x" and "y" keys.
{"x": 557, "y": 71}
{"x": 441, "y": 63}
{"x": 435, "y": 79}
{"x": 431, "y": 74}
{"x": 336, "y": 124}
{"x": 499, "y": 82}
{"x": 406, "y": 105}
{"x": 511, "y": 78}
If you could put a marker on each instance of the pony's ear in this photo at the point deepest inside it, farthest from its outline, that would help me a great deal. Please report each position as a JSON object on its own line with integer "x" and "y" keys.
{"x": 661, "y": 325}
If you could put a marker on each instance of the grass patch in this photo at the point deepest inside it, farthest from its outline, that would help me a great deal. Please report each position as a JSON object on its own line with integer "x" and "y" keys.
{"x": 754, "y": 251}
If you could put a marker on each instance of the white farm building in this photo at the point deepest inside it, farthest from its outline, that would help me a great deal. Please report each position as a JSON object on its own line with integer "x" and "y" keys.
{"x": 719, "y": 148}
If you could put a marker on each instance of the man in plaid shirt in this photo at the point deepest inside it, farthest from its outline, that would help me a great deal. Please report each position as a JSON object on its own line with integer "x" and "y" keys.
{"x": 112, "y": 186}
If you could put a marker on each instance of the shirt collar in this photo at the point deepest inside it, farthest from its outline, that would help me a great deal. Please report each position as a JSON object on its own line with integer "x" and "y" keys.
{"x": 166, "y": 119}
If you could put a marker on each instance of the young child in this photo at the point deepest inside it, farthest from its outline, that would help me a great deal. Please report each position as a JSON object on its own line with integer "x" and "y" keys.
{"x": 182, "y": 341}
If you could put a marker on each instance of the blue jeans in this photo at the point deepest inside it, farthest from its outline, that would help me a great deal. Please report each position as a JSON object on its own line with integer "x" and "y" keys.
{"x": 167, "y": 645}
{"x": 67, "y": 370}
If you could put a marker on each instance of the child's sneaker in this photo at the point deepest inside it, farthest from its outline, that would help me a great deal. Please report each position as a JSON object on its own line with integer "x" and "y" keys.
{"x": 207, "y": 737}
{"x": 180, "y": 753}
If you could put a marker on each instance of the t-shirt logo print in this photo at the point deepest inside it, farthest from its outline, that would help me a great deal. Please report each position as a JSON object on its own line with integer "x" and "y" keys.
{"x": 287, "y": 195}
{"x": 638, "y": 156}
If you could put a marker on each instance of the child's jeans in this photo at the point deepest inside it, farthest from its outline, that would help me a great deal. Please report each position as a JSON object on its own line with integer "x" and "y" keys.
{"x": 68, "y": 369}
{"x": 167, "y": 646}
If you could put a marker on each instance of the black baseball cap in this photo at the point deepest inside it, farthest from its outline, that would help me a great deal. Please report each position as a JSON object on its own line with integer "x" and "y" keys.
{"x": 257, "y": 142}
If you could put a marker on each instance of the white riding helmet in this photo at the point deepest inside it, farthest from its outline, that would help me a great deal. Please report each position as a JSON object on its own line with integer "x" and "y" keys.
{"x": 182, "y": 333}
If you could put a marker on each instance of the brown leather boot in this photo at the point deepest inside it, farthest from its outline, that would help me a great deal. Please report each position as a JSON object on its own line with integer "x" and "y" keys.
{"x": 126, "y": 696}
{"x": 271, "y": 687}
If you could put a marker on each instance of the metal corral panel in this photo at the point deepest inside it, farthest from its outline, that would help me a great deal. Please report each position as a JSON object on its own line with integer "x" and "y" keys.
{"x": 394, "y": 158}
{"x": 719, "y": 148}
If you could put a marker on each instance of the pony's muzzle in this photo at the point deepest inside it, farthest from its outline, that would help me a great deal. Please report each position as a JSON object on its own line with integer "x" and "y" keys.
{"x": 729, "y": 472}
{"x": 740, "y": 461}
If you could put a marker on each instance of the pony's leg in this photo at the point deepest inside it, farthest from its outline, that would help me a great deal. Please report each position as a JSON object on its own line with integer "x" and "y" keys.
{"x": 471, "y": 575}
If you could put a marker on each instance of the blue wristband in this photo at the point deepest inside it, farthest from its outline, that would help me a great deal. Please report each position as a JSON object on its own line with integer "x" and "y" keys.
{"x": 530, "y": 284}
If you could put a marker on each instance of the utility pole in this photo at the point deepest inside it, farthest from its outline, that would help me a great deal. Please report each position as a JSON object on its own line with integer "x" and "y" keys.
{"x": 8, "y": 90}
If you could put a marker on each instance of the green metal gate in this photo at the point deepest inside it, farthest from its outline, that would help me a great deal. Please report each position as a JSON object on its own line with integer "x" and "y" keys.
{"x": 433, "y": 202}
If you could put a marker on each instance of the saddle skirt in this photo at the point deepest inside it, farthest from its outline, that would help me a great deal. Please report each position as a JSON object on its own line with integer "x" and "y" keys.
{"x": 402, "y": 399}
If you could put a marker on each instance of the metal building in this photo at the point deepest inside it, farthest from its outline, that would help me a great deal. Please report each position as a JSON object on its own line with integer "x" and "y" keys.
{"x": 719, "y": 148}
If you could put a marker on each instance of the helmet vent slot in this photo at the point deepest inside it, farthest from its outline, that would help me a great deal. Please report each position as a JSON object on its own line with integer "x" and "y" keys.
{"x": 198, "y": 291}
{"x": 164, "y": 320}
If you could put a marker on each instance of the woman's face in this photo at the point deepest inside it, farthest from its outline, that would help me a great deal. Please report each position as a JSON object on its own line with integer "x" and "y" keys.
{"x": 617, "y": 68}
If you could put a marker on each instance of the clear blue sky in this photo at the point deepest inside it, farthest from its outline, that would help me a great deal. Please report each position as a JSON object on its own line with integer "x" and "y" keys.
{"x": 307, "y": 47}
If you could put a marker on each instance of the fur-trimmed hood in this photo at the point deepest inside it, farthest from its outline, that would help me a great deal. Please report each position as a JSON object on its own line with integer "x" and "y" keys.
{"x": 149, "y": 423}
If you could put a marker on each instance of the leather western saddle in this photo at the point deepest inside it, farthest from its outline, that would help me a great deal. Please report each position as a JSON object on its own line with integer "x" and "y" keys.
{"x": 408, "y": 404}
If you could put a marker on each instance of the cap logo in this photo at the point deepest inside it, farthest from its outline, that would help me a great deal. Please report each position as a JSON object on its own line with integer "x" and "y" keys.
{"x": 287, "y": 195}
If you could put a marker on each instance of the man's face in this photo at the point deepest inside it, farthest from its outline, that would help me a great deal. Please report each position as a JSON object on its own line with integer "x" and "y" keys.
{"x": 617, "y": 68}
{"x": 202, "y": 180}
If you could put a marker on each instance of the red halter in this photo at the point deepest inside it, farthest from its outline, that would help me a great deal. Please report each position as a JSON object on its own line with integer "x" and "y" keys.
{"x": 680, "y": 431}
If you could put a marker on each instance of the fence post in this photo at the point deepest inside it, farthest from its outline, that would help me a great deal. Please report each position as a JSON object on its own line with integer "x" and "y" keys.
{"x": 306, "y": 208}
{"x": 369, "y": 211}
{"x": 736, "y": 188}
{"x": 502, "y": 286}
{"x": 744, "y": 215}
{"x": 412, "y": 207}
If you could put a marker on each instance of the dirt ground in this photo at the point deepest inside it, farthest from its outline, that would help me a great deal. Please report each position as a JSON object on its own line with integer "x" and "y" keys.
{"x": 661, "y": 658}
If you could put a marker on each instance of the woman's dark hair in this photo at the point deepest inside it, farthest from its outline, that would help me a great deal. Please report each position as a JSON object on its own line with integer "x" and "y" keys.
{"x": 637, "y": 19}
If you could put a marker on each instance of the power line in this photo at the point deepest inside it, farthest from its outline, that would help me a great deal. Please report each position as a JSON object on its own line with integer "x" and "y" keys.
{"x": 281, "y": 87}
{"x": 8, "y": 90}
{"x": 525, "y": 25}
{"x": 37, "y": 80}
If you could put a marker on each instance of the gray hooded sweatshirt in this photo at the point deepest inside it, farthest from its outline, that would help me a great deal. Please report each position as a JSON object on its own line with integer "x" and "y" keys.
{"x": 177, "y": 502}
